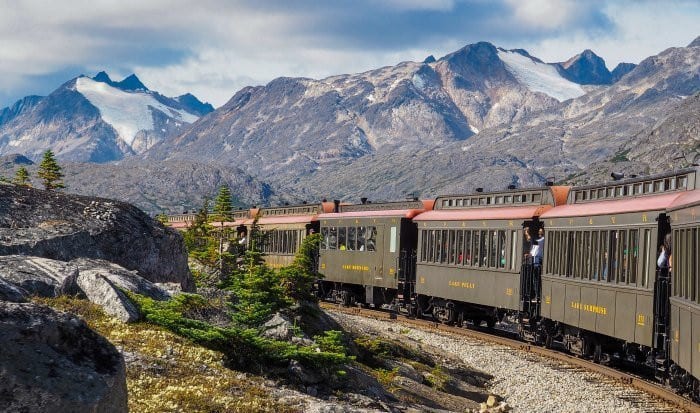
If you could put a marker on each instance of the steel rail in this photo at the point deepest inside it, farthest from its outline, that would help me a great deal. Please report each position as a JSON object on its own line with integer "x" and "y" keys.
{"x": 638, "y": 383}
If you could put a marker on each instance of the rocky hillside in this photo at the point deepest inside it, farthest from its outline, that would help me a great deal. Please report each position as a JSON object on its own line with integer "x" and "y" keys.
{"x": 95, "y": 120}
{"x": 154, "y": 186}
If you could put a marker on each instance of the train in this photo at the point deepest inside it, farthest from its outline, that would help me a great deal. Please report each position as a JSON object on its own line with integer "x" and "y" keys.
{"x": 614, "y": 276}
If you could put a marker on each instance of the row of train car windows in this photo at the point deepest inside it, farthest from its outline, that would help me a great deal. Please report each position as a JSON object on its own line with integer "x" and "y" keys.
{"x": 478, "y": 248}
{"x": 349, "y": 238}
{"x": 605, "y": 256}
{"x": 285, "y": 241}
{"x": 639, "y": 188}
{"x": 492, "y": 200}
{"x": 686, "y": 263}
{"x": 289, "y": 211}
{"x": 181, "y": 218}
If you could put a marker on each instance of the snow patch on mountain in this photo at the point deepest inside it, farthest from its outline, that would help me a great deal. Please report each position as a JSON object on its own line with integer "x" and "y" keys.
{"x": 540, "y": 77}
{"x": 127, "y": 112}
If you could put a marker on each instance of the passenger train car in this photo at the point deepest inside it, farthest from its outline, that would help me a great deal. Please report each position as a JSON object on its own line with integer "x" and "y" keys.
{"x": 470, "y": 253}
{"x": 367, "y": 252}
{"x": 285, "y": 228}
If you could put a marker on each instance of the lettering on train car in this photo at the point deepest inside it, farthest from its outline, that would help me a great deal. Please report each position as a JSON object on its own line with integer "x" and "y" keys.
{"x": 350, "y": 267}
{"x": 548, "y": 299}
{"x": 509, "y": 291}
{"x": 589, "y": 307}
{"x": 641, "y": 319}
{"x": 462, "y": 284}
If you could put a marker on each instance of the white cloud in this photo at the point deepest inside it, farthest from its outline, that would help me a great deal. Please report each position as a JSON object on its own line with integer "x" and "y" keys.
{"x": 545, "y": 14}
{"x": 642, "y": 29}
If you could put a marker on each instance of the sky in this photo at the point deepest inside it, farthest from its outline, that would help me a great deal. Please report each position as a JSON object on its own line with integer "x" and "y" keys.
{"x": 213, "y": 48}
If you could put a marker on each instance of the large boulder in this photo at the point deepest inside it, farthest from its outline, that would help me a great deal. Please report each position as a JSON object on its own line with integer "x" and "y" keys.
{"x": 39, "y": 276}
{"x": 103, "y": 292}
{"x": 64, "y": 227}
{"x": 120, "y": 277}
{"x": 10, "y": 292}
{"x": 53, "y": 361}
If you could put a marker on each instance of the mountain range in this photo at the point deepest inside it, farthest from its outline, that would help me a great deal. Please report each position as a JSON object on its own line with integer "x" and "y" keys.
{"x": 481, "y": 116}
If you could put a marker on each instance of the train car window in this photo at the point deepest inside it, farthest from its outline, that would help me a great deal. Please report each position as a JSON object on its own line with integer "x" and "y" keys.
{"x": 586, "y": 260}
{"x": 483, "y": 248}
{"x": 604, "y": 256}
{"x": 452, "y": 258}
{"x": 493, "y": 249}
{"x": 613, "y": 254}
{"x": 580, "y": 255}
{"x": 624, "y": 257}
{"x": 536, "y": 197}
{"x": 502, "y": 249}
{"x": 445, "y": 203}
{"x": 342, "y": 238}
{"x": 513, "y": 249}
{"x": 332, "y": 238}
{"x": 324, "y": 238}
{"x": 482, "y": 201}
{"x": 681, "y": 182}
{"x": 352, "y": 239}
{"x": 499, "y": 200}
{"x": 695, "y": 262}
{"x": 392, "y": 240}
{"x": 460, "y": 247}
{"x": 432, "y": 244}
{"x": 669, "y": 184}
{"x": 595, "y": 256}
{"x": 443, "y": 246}
{"x": 422, "y": 244}
{"x": 633, "y": 256}
{"x": 371, "y": 238}
{"x": 476, "y": 261}
{"x": 578, "y": 195}
{"x": 468, "y": 248}
{"x": 508, "y": 199}
{"x": 570, "y": 254}
{"x": 638, "y": 188}
{"x": 658, "y": 186}
{"x": 646, "y": 257}
{"x": 361, "y": 236}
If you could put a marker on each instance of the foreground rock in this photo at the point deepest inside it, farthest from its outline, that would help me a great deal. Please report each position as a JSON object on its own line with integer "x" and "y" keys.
{"x": 39, "y": 276}
{"x": 53, "y": 362}
{"x": 64, "y": 227}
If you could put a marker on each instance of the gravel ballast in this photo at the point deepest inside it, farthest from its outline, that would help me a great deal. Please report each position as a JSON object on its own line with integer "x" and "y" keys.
{"x": 527, "y": 382}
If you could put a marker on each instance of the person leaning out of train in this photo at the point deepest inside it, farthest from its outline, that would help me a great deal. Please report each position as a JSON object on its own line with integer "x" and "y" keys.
{"x": 665, "y": 259}
{"x": 538, "y": 248}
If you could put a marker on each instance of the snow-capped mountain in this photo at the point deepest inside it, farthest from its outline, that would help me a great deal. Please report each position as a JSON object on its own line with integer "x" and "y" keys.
{"x": 95, "y": 120}
{"x": 441, "y": 125}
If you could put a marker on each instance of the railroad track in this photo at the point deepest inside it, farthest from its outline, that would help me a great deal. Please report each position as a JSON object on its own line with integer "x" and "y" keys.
{"x": 571, "y": 362}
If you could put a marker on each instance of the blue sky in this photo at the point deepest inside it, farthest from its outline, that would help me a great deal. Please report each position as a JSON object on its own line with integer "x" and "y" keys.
{"x": 212, "y": 48}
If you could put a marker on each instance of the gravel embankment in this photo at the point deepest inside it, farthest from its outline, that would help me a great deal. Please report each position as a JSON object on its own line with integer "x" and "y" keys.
{"x": 527, "y": 382}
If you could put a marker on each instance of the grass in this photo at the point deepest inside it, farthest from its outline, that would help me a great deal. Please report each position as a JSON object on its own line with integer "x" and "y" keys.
{"x": 169, "y": 372}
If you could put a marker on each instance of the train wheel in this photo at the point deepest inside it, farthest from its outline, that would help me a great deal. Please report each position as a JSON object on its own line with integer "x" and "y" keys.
{"x": 491, "y": 322}
{"x": 548, "y": 340}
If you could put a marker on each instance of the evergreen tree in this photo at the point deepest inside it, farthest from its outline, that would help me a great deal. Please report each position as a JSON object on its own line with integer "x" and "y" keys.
{"x": 22, "y": 177}
{"x": 200, "y": 225}
{"x": 162, "y": 218}
{"x": 50, "y": 172}
{"x": 223, "y": 206}
{"x": 298, "y": 278}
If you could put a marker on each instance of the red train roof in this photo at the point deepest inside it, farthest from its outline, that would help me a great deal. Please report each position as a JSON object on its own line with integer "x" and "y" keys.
{"x": 284, "y": 219}
{"x": 483, "y": 213}
{"x": 615, "y": 206}
{"x": 686, "y": 199}
{"x": 404, "y": 213}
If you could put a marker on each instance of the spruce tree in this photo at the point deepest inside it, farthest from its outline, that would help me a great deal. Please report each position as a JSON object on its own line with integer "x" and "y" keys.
{"x": 22, "y": 177}
{"x": 50, "y": 172}
{"x": 223, "y": 206}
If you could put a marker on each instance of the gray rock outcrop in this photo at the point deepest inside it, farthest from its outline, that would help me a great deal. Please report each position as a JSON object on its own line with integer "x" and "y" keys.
{"x": 103, "y": 292}
{"x": 52, "y": 361}
{"x": 64, "y": 227}
{"x": 39, "y": 276}
{"x": 12, "y": 293}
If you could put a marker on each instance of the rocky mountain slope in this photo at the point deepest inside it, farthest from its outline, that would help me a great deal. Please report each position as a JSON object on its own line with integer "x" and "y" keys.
{"x": 479, "y": 117}
{"x": 153, "y": 186}
{"x": 95, "y": 120}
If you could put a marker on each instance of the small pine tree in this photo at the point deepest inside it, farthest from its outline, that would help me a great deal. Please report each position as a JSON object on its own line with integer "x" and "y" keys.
{"x": 22, "y": 177}
{"x": 50, "y": 172}
{"x": 298, "y": 278}
{"x": 162, "y": 218}
{"x": 223, "y": 206}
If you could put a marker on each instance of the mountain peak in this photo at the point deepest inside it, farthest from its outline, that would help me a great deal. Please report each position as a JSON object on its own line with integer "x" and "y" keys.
{"x": 194, "y": 105}
{"x": 622, "y": 69}
{"x": 131, "y": 82}
{"x": 103, "y": 77}
{"x": 695, "y": 43}
{"x": 586, "y": 68}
